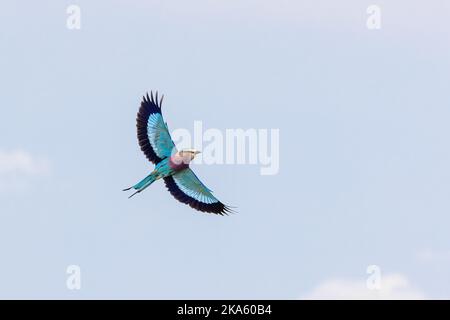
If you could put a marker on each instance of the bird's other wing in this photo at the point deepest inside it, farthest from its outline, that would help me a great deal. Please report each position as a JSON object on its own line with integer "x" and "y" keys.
{"x": 152, "y": 132}
{"x": 187, "y": 188}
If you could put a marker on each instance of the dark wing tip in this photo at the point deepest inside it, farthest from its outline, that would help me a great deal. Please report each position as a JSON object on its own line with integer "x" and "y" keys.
{"x": 217, "y": 207}
{"x": 229, "y": 210}
{"x": 152, "y": 99}
{"x": 225, "y": 210}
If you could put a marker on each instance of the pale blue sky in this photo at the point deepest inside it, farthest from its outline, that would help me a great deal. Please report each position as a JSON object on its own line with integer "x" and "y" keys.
{"x": 364, "y": 153}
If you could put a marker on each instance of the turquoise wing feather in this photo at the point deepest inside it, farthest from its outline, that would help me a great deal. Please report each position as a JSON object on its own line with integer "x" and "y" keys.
{"x": 186, "y": 187}
{"x": 153, "y": 133}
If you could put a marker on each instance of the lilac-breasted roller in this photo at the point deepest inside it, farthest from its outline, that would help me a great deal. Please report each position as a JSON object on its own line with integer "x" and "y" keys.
{"x": 170, "y": 164}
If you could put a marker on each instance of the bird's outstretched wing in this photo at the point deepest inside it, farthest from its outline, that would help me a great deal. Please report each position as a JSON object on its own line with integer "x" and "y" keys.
{"x": 187, "y": 188}
{"x": 152, "y": 132}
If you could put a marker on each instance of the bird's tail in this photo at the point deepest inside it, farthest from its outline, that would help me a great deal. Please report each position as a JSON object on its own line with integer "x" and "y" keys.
{"x": 144, "y": 183}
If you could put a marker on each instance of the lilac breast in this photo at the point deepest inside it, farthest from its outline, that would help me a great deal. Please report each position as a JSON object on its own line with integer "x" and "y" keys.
{"x": 177, "y": 164}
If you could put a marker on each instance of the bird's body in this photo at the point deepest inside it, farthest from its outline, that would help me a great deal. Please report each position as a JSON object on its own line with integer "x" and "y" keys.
{"x": 165, "y": 168}
{"x": 170, "y": 164}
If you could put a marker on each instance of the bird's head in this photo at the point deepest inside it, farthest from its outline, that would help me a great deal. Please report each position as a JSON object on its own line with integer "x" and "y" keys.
{"x": 189, "y": 154}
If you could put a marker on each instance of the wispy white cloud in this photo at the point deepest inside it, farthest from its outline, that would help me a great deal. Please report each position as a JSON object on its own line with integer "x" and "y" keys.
{"x": 21, "y": 162}
{"x": 18, "y": 166}
{"x": 393, "y": 287}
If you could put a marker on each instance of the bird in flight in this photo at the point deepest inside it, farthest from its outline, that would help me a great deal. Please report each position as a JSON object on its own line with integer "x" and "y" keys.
{"x": 170, "y": 164}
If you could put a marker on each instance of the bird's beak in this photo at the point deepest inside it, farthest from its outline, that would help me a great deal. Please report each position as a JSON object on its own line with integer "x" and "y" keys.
{"x": 197, "y": 152}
